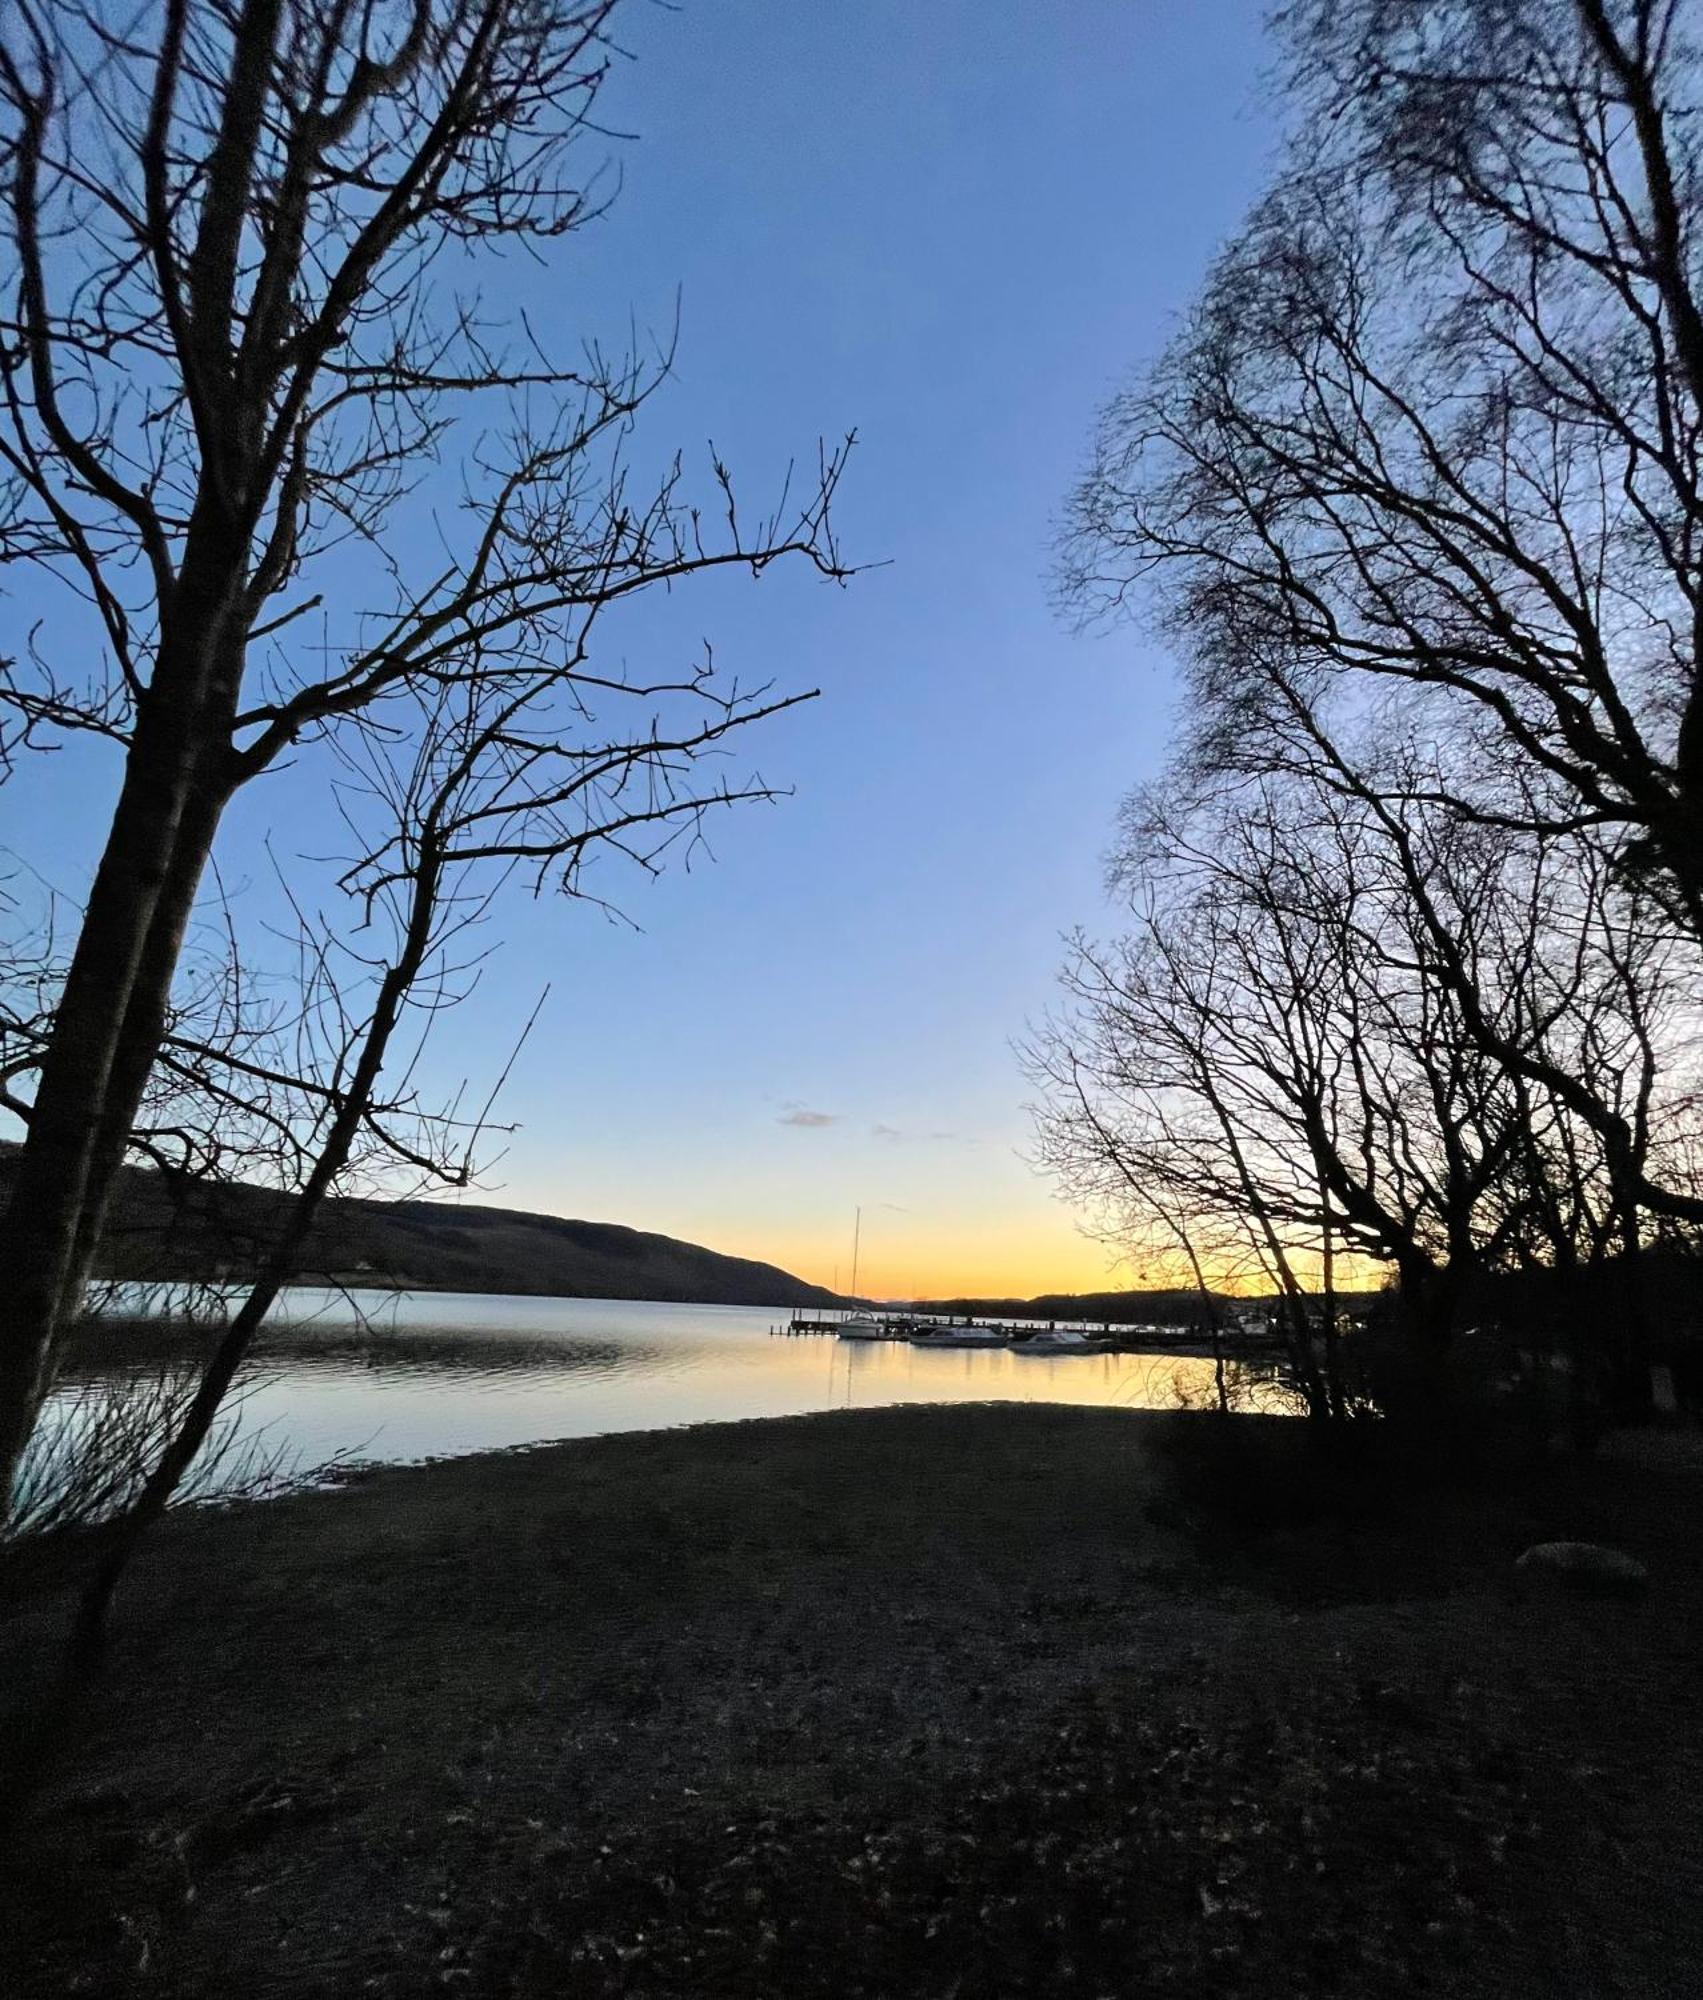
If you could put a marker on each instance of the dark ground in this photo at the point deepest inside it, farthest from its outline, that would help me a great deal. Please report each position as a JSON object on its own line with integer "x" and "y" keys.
{"x": 923, "y": 1702}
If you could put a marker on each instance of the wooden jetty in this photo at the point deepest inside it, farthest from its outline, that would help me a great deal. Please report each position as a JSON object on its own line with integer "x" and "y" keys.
{"x": 817, "y": 1322}
{"x": 1235, "y": 1343}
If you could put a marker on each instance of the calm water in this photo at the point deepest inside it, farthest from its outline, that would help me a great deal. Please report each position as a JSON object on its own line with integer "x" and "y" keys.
{"x": 407, "y": 1376}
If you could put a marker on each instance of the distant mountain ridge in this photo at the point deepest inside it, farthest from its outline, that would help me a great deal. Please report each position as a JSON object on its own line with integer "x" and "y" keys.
{"x": 162, "y": 1231}
{"x": 1113, "y": 1308}
{"x": 1158, "y": 1308}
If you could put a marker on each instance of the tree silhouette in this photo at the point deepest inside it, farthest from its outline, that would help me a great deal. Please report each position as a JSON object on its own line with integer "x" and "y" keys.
{"x": 252, "y": 246}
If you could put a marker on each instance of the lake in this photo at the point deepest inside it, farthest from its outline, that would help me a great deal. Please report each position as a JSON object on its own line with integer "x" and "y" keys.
{"x": 398, "y": 1377}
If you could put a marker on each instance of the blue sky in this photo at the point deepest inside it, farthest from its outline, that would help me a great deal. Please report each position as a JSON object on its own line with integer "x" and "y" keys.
{"x": 953, "y": 227}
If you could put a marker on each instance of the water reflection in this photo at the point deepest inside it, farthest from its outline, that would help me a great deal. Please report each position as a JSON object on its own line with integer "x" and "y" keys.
{"x": 400, "y": 1377}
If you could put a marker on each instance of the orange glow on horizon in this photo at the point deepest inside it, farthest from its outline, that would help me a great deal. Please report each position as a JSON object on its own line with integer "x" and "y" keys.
{"x": 960, "y": 1262}
{"x": 1026, "y": 1259}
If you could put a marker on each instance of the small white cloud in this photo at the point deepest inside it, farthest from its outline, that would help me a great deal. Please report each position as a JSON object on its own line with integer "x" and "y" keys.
{"x": 805, "y": 1119}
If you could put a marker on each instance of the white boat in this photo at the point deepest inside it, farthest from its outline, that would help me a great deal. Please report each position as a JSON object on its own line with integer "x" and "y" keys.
{"x": 861, "y": 1325}
{"x": 1053, "y": 1340}
{"x": 961, "y": 1336}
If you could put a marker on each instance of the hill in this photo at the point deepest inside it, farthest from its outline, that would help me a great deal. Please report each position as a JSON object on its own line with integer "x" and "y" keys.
{"x": 1159, "y": 1308}
{"x": 1167, "y": 1308}
{"x": 161, "y": 1231}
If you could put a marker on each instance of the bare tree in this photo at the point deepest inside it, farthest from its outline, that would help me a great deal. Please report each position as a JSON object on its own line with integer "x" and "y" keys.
{"x": 1288, "y": 1051}
{"x": 244, "y": 241}
{"x": 1433, "y": 430}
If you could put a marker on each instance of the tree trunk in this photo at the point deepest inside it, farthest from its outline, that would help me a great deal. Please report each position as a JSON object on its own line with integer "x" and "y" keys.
{"x": 279, "y": 1266}
{"x": 110, "y": 1017}
{"x": 145, "y": 1019}
{"x": 1429, "y": 1295}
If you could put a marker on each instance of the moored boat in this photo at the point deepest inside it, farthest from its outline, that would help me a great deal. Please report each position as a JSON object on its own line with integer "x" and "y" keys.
{"x": 1054, "y": 1340}
{"x": 961, "y": 1336}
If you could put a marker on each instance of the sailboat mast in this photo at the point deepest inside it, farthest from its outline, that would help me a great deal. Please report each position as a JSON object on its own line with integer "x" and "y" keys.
{"x": 857, "y": 1231}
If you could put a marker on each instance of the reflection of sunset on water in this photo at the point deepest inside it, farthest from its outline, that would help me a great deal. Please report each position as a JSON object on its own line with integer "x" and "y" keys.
{"x": 434, "y": 1375}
